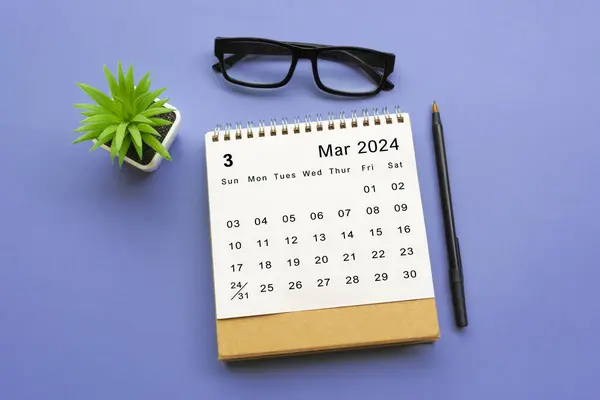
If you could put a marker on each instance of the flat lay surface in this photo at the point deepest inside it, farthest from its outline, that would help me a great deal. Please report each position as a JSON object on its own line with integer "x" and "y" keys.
{"x": 106, "y": 286}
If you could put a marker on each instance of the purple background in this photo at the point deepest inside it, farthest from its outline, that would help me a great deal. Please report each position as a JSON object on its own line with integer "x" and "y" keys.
{"x": 105, "y": 276}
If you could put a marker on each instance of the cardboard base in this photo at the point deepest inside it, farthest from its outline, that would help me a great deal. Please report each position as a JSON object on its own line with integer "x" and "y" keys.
{"x": 405, "y": 322}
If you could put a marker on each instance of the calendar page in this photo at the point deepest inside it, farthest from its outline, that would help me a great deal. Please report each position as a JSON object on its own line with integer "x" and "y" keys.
{"x": 312, "y": 220}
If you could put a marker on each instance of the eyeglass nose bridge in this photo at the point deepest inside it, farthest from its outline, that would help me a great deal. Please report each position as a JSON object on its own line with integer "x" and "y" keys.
{"x": 304, "y": 53}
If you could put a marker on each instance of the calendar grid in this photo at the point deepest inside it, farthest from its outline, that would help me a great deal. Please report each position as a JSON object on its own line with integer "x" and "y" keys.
{"x": 296, "y": 227}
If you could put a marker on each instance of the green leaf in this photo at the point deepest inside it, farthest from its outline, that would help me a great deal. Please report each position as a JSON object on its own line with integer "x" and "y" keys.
{"x": 105, "y": 136}
{"x": 121, "y": 76}
{"x": 143, "y": 86}
{"x": 120, "y": 134}
{"x": 92, "y": 107}
{"x": 156, "y": 145}
{"x": 88, "y": 136}
{"x": 142, "y": 119}
{"x": 137, "y": 138}
{"x": 101, "y": 118}
{"x": 148, "y": 129}
{"x": 144, "y": 101}
{"x": 88, "y": 113}
{"x": 129, "y": 82}
{"x": 92, "y": 127}
{"x": 112, "y": 82}
{"x": 101, "y": 141}
{"x": 156, "y": 111}
{"x": 99, "y": 97}
{"x": 160, "y": 122}
{"x": 124, "y": 149}
{"x": 123, "y": 107}
{"x": 113, "y": 150}
{"x": 159, "y": 103}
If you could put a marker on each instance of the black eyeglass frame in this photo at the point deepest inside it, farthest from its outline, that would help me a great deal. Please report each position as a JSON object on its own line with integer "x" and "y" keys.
{"x": 311, "y": 52}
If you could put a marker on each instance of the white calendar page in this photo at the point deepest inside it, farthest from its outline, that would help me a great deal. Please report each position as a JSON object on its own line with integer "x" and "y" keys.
{"x": 316, "y": 220}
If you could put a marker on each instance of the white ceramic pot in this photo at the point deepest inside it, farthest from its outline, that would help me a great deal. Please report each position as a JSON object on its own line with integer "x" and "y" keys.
{"x": 167, "y": 142}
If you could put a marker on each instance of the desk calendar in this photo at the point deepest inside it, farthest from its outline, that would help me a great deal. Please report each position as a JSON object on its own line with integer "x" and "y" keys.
{"x": 314, "y": 216}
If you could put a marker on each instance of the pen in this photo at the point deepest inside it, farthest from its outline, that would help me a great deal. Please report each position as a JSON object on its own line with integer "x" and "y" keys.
{"x": 452, "y": 244}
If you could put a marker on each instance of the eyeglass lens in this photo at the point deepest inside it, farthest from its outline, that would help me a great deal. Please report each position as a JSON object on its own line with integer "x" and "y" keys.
{"x": 260, "y": 63}
{"x": 347, "y": 71}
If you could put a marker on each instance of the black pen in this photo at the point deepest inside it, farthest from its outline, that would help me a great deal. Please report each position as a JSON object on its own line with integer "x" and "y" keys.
{"x": 454, "y": 259}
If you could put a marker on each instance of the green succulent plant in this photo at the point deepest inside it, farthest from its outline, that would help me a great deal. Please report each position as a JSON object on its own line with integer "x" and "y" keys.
{"x": 126, "y": 117}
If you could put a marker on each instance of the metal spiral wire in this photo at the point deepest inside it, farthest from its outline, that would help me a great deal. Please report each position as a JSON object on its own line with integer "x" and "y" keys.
{"x": 296, "y": 127}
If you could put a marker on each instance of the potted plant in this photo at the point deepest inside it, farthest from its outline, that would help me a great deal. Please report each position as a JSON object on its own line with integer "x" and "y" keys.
{"x": 132, "y": 124}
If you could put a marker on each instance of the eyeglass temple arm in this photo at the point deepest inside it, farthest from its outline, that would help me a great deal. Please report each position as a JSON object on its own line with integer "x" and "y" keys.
{"x": 229, "y": 62}
{"x": 341, "y": 56}
{"x": 349, "y": 58}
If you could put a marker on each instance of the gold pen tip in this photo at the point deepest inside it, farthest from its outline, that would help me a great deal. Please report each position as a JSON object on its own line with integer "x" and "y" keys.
{"x": 434, "y": 108}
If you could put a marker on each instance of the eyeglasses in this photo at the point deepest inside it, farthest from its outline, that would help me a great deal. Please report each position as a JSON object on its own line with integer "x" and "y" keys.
{"x": 339, "y": 70}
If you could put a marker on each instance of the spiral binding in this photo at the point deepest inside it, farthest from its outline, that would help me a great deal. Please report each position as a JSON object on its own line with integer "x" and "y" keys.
{"x": 296, "y": 127}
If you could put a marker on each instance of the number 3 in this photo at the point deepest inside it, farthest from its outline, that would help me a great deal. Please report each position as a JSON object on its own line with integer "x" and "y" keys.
{"x": 229, "y": 161}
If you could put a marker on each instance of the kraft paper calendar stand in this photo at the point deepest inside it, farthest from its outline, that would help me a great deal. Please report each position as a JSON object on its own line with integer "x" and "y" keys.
{"x": 354, "y": 327}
